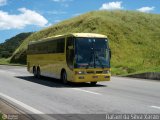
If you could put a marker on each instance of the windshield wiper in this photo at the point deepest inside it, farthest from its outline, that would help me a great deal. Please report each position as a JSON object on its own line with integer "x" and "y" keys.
{"x": 97, "y": 57}
{"x": 89, "y": 63}
{"x": 92, "y": 56}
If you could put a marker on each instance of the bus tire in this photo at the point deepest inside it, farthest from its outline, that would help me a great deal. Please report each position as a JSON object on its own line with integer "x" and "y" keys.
{"x": 38, "y": 72}
{"x": 93, "y": 83}
{"x": 64, "y": 77}
{"x": 34, "y": 72}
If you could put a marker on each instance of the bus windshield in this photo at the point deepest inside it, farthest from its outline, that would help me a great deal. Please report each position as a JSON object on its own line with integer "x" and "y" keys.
{"x": 91, "y": 53}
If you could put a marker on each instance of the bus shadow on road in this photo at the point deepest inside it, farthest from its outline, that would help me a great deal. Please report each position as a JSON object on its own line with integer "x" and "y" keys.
{"x": 51, "y": 82}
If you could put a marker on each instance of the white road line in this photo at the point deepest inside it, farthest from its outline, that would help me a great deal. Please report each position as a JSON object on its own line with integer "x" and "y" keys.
{"x": 35, "y": 111}
{"x": 155, "y": 107}
{"x": 86, "y": 91}
{"x": 7, "y": 72}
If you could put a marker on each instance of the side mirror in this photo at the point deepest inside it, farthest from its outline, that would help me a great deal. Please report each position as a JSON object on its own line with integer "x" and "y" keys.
{"x": 110, "y": 54}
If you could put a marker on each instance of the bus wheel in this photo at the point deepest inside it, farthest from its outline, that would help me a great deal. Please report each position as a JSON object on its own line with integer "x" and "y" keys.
{"x": 38, "y": 72}
{"x": 93, "y": 83}
{"x": 34, "y": 72}
{"x": 64, "y": 77}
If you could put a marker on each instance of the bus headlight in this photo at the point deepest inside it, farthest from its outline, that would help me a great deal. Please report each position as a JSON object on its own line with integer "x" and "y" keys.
{"x": 106, "y": 72}
{"x": 80, "y": 72}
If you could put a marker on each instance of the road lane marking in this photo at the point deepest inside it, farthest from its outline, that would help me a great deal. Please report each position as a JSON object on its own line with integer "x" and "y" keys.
{"x": 35, "y": 111}
{"x": 87, "y": 91}
{"x": 156, "y": 107}
{"x": 7, "y": 72}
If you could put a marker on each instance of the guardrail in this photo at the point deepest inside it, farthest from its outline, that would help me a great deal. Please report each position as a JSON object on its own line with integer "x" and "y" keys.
{"x": 148, "y": 75}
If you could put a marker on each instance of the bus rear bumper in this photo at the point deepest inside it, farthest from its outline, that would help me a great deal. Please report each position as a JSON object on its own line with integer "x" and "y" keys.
{"x": 92, "y": 78}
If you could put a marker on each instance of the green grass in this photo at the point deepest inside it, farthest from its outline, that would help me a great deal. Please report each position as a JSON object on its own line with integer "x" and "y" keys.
{"x": 4, "y": 61}
{"x": 134, "y": 38}
{"x": 1, "y": 118}
{"x": 10, "y": 45}
{"x": 122, "y": 72}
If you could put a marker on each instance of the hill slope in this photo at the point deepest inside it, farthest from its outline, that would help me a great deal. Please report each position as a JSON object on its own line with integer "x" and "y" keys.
{"x": 134, "y": 38}
{"x": 10, "y": 45}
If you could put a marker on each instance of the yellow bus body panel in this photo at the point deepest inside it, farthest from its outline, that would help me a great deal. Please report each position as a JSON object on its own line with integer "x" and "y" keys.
{"x": 92, "y": 75}
{"x": 51, "y": 65}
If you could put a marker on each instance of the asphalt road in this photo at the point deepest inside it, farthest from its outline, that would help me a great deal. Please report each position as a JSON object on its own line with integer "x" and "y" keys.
{"x": 49, "y": 96}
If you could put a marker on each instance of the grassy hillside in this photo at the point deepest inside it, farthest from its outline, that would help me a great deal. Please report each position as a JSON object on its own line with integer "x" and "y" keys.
{"x": 134, "y": 38}
{"x": 10, "y": 45}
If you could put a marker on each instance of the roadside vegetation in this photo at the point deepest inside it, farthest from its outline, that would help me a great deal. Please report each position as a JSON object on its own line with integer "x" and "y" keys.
{"x": 1, "y": 116}
{"x": 4, "y": 61}
{"x": 134, "y": 38}
{"x": 10, "y": 45}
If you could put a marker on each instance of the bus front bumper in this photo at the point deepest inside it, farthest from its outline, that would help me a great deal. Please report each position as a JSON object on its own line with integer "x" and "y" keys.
{"x": 92, "y": 78}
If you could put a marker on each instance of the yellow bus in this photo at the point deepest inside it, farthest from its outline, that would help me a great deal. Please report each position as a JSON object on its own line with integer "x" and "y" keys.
{"x": 75, "y": 57}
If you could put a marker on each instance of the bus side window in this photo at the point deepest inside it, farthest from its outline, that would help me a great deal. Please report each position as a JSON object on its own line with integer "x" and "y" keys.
{"x": 60, "y": 46}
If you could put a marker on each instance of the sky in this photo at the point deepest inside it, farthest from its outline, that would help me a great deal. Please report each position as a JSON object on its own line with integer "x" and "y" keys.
{"x": 17, "y": 16}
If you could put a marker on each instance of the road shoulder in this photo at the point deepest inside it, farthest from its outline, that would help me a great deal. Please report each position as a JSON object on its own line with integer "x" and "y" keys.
{"x": 9, "y": 111}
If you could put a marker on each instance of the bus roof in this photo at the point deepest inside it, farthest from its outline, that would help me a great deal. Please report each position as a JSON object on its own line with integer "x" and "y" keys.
{"x": 94, "y": 35}
{"x": 88, "y": 35}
